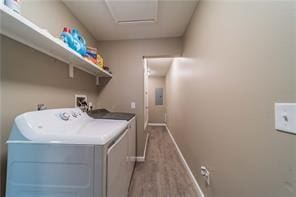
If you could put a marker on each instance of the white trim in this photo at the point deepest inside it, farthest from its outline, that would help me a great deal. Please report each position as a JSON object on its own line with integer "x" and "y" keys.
{"x": 142, "y": 158}
{"x": 197, "y": 187}
{"x": 156, "y": 124}
{"x": 71, "y": 70}
{"x": 145, "y": 125}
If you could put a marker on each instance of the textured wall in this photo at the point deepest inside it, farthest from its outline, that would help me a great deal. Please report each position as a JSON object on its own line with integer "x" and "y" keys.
{"x": 126, "y": 61}
{"x": 239, "y": 59}
{"x": 156, "y": 112}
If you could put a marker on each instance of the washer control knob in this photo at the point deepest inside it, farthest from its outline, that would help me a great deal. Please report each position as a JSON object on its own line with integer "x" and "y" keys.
{"x": 65, "y": 116}
{"x": 74, "y": 114}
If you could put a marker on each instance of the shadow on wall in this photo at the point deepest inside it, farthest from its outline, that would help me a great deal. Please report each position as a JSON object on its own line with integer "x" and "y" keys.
{"x": 103, "y": 82}
{"x": 25, "y": 65}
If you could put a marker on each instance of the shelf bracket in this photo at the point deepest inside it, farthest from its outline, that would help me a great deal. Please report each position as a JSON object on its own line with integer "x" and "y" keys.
{"x": 71, "y": 70}
{"x": 97, "y": 80}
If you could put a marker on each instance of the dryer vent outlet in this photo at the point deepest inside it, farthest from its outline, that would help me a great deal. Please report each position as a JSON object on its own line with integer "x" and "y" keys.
{"x": 81, "y": 102}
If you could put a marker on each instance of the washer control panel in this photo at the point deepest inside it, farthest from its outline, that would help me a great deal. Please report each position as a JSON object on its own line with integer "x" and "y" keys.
{"x": 52, "y": 121}
{"x": 65, "y": 116}
{"x": 71, "y": 114}
{"x": 75, "y": 114}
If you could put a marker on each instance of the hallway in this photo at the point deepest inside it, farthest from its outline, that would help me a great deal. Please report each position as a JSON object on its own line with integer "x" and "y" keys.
{"x": 162, "y": 173}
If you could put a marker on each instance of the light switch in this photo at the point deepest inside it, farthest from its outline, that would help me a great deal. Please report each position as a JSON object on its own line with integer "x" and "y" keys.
{"x": 133, "y": 105}
{"x": 285, "y": 117}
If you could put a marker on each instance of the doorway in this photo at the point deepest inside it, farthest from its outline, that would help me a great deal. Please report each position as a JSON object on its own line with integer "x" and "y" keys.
{"x": 155, "y": 71}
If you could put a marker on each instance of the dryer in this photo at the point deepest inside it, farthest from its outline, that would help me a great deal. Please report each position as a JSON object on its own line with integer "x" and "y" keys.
{"x": 65, "y": 153}
{"x": 132, "y": 152}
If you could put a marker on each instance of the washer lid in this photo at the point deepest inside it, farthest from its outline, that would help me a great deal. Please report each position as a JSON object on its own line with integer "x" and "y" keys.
{"x": 67, "y": 126}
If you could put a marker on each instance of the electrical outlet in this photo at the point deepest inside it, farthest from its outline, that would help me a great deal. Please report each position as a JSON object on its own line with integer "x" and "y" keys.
{"x": 133, "y": 105}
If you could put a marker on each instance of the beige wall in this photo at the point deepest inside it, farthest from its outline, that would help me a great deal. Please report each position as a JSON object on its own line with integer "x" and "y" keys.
{"x": 29, "y": 77}
{"x": 156, "y": 112}
{"x": 239, "y": 59}
{"x": 127, "y": 84}
{"x": 53, "y": 16}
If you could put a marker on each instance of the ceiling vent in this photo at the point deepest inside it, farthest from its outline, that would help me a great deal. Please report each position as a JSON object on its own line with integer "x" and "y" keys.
{"x": 128, "y": 11}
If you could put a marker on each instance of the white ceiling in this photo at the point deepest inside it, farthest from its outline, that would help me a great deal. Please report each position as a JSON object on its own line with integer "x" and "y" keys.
{"x": 158, "y": 67}
{"x": 133, "y": 19}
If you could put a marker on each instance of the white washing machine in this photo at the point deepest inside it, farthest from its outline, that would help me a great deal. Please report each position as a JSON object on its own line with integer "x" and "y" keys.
{"x": 65, "y": 153}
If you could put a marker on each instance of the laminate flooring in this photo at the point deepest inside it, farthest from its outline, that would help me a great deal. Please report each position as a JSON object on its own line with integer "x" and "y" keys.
{"x": 162, "y": 174}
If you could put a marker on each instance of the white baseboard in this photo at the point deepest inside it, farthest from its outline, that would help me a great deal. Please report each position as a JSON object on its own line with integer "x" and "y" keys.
{"x": 196, "y": 185}
{"x": 142, "y": 158}
{"x": 157, "y": 124}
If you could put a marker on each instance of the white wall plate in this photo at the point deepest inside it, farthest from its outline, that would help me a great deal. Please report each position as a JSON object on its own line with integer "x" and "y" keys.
{"x": 285, "y": 117}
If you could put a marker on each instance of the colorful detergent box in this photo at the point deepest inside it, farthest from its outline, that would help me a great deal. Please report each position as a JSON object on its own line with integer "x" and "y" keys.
{"x": 92, "y": 52}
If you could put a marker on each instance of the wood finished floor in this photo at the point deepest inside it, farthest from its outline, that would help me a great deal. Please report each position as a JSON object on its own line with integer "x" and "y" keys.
{"x": 162, "y": 174}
